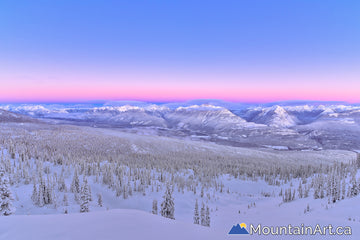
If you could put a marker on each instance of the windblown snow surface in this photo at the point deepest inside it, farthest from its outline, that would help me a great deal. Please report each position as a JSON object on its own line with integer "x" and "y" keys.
{"x": 135, "y": 224}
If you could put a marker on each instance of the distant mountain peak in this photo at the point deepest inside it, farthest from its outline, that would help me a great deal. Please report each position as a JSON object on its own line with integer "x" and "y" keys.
{"x": 206, "y": 107}
{"x": 6, "y": 116}
{"x": 275, "y": 116}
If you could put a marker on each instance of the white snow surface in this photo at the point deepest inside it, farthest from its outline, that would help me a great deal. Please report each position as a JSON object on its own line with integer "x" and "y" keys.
{"x": 105, "y": 225}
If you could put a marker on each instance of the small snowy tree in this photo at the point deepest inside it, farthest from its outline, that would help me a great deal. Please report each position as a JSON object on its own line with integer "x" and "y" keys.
{"x": 300, "y": 190}
{"x": 155, "y": 207}
{"x": 100, "y": 201}
{"x": 90, "y": 195}
{"x": 65, "y": 200}
{"x": 61, "y": 183}
{"x": 202, "y": 215}
{"x": 6, "y": 198}
{"x": 168, "y": 206}
{"x": 196, "y": 213}
{"x": 207, "y": 217}
{"x": 41, "y": 201}
{"x": 354, "y": 187}
{"x": 35, "y": 195}
{"x": 343, "y": 189}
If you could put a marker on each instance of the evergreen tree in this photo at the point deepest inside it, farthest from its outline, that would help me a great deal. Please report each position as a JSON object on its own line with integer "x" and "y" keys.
{"x": 202, "y": 215}
{"x": 322, "y": 193}
{"x": 49, "y": 194}
{"x": 35, "y": 195}
{"x": 125, "y": 192}
{"x": 6, "y": 198}
{"x": 129, "y": 188}
{"x": 85, "y": 198}
{"x": 61, "y": 184}
{"x": 90, "y": 195}
{"x": 353, "y": 187}
{"x": 207, "y": 217}
{"x": 41, "y": 201}
{"x": 293, "y": 195}
{"x": 155, "y": 207}
{"x": 65, "y": 200}
{"x": 300, "y": 190}
{"x": 343, "y": 189}
{"x": 168, "y": 206}
{"x": 75, "y": 184}
{"x": 316, "y": 191}
{"x": 306, "y": 191}
{"x": 196, "y": 213}
{"x": 100, "y": 201}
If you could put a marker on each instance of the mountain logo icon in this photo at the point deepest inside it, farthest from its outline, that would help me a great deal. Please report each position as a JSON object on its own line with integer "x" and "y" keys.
{"x": 239, "y": 229}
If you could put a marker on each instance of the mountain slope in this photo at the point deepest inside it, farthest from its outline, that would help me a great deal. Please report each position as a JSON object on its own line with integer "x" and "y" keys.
{"x": 205, "y": 117}
{"x": 107, "y": 225}
{"x": 275, "y": 116}
{"x": 6, "y": 116}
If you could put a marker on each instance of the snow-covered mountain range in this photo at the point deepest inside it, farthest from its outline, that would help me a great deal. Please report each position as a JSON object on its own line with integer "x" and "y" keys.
{"x": 147, "y": 114}
{"x": 283, "y": 124}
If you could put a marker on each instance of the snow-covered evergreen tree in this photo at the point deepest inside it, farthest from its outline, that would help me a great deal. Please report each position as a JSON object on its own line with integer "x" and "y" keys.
{"x": 90, "y": 194}
{"x": 75, "y": 184}
{"x": 300, "y": 190}
{"x": 99, "y": 200}
{"x": 196, "y": 213}
{"x": 65, "y": 200}
{"x": 168, "y": 206}
{"x": 85, "y": 198}
{"x": 61, "y": 183}
{"x": 6, "y": 198}
{"x": 353, "y": 187}
{"x": 207, "y": 217}
{"x": 35, "y": 195}
{"x": 41, "y": 196}
{"x": 129, "y": 188}
{"x": 155, "y": 207}
{"x": 202, "y": 215}
{"x": 343, "y": 189}
{"x": 306, "y": 191}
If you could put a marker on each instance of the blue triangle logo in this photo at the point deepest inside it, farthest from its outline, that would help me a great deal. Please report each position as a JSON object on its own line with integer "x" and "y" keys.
{"x": 239, "y": 229}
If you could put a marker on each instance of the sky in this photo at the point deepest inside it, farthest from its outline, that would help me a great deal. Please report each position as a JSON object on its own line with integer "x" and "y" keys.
{"x": 241, "y": 51}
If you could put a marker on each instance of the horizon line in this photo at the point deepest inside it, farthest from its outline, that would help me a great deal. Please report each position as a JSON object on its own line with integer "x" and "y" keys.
{"x": 176, "y": 101}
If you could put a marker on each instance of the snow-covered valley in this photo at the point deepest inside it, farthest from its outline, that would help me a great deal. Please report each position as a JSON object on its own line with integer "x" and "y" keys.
{"x": 306, "y": 126}
{"x": 83, "y": 182}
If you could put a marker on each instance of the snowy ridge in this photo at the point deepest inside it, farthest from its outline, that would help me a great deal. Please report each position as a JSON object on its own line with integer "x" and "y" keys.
{"x": 120, "y": 109}
{"x": 277, "y": 116}
{"x": 6, "y": 116}
{"x": 203, "y": 107}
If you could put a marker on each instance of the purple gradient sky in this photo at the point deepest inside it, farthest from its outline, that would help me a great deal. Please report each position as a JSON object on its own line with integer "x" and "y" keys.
{"x": 247, "y": 51}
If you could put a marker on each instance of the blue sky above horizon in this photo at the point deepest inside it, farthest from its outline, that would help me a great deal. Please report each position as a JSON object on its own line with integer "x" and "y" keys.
{"x": 251, "y": 51}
